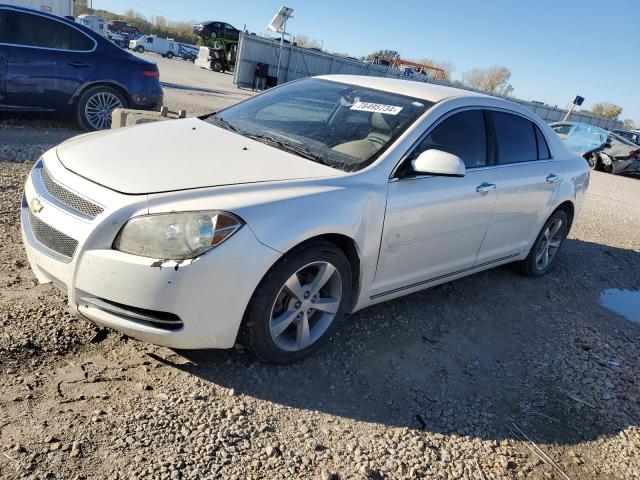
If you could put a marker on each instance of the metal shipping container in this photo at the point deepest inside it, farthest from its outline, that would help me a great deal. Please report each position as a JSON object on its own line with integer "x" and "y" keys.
{"x": 64, "y": 8}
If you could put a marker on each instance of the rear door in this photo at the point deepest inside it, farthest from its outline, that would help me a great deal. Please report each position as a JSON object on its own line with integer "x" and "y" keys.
{"x": 47, "y": 62}
{"x": 528, "y": 181}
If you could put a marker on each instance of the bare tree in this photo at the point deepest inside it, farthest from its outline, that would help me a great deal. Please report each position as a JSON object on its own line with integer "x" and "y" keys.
{"x": 160, "y": 21}
{"x": 80, "y": 7}
{"x": 447, "y": 70}
{"x": 307, "y": 42}
{"x": 607, "y": 110}
{"x": 629, "y": 124}
{"x": 493, "y": 80}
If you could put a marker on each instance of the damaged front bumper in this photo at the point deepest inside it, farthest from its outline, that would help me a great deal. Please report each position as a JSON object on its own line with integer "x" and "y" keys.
{"x": 197, "y": 303}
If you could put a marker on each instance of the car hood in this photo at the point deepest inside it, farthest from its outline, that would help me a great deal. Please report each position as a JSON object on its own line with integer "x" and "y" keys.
{"x": 180, "y": 155}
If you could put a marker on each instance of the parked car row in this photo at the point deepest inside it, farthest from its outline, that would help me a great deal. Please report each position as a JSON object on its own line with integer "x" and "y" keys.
{"x": 603, "y": 150}
{"x": 53, "y": 64}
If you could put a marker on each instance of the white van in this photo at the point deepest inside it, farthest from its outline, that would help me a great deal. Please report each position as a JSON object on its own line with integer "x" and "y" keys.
{"x": 94, "y": 22}
{"x": 166, "y": 47}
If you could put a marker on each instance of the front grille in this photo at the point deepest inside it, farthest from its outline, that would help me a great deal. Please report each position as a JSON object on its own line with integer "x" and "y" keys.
{"x": 52, "y": 238}
{"x": 68, "y": 198}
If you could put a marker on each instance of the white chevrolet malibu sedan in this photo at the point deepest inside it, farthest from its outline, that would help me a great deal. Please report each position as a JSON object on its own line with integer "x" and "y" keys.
{"x": 270, "y": 220}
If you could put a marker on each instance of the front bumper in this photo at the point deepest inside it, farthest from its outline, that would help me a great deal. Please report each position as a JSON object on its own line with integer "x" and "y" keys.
{"x": 203, "y": 299}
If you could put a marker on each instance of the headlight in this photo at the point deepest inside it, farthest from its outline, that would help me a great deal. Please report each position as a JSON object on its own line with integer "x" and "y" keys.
{"x": 176, "y": 236}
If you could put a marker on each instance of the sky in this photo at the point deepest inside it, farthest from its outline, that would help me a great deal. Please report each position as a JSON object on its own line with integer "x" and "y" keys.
{"x": 555, "y": 49}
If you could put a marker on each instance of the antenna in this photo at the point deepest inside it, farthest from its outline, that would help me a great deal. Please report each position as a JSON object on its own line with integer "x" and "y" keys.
{"x": 278, "y": 22}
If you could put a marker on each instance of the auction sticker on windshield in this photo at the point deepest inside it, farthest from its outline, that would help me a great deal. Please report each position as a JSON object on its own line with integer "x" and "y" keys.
{"x": 376, "y": 107}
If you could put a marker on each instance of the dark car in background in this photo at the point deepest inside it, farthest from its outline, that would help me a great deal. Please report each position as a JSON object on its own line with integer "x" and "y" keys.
{"x": 120, "y": 26}
{"x": 52, "y": 64}
{"x": 216, "y": 30}
{"x": 602, "y": 149}
{"x": 632, "y": 136}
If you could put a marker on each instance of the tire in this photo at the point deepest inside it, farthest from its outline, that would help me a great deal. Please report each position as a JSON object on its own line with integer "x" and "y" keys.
{"x": 274, "y": 343}
{"x": 606, "y": 163}
{"x": 140, "y": 49}
{"x": 93, "y": 98}
{"x": 593, "y": 161}
{"x": 217, "y": 66}
{"x": 533, "y": 265}
{"x": 169, "y": 55}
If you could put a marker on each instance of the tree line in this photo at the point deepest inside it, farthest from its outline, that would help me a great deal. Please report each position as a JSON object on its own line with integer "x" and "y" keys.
{"x": 160, "y": 26}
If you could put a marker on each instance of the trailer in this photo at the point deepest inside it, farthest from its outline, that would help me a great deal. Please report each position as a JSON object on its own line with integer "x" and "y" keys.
{"x": 63, "y": 8}
{"x": 94, "y": 22}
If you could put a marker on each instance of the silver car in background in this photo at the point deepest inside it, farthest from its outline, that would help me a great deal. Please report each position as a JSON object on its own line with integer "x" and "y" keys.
{"x": 271, "y": 220}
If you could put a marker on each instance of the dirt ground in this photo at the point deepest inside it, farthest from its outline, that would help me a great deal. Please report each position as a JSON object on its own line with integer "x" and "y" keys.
{"x": 489, "y": 377}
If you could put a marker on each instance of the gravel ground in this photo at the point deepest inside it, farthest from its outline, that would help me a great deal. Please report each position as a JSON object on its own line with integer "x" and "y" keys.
{"x": 492, "y": 376}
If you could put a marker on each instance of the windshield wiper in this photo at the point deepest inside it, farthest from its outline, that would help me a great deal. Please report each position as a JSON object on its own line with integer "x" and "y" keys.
{"x": 274, "y": 142}
{"x": 222, "y": 123}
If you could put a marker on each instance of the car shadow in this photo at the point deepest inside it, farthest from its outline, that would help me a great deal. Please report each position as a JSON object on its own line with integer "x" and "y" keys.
{"x": 478, "y": 357}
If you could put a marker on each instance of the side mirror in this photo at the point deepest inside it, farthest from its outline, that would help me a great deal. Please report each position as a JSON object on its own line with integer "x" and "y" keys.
{"x": 437, "y": 162}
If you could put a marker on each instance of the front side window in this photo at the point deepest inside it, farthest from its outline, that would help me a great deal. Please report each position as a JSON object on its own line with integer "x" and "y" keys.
{"x": 344, "y": 126}
{"x": 462, "y": 134}
{"x": 39, "y": 31}
{"x": 516, "y": 138}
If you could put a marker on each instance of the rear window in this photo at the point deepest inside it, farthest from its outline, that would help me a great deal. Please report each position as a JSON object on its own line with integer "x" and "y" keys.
{"x": 516, "y": 138}
{"x": 38, "y": 31}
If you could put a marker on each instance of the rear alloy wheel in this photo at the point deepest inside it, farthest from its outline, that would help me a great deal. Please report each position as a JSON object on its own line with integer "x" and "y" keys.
{"x": 169, "y": 55}
{"x": 96, "y": 105}
{"x": 592, "y": 160}
{"x": 216, "y": 66}
{"x": 140, "y": 49}
{"x": 298, "y": 303}
{"x": 546, "y": 247}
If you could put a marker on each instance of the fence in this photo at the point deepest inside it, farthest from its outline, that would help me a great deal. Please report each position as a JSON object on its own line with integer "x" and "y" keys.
{"x": 298, "y": 62}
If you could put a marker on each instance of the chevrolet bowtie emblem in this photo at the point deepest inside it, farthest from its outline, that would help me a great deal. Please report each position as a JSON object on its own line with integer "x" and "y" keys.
{"x": 35, "y": 205}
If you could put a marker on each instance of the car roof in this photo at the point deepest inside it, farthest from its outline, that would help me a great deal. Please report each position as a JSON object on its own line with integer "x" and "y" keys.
{"x": 425, "y": 91}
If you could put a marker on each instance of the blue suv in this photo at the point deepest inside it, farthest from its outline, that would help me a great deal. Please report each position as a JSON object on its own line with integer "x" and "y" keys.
{"x": 53, "y": 64}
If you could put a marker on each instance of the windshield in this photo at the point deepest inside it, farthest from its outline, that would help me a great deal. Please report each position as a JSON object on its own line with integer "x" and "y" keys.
{"x": 344, "y": 126}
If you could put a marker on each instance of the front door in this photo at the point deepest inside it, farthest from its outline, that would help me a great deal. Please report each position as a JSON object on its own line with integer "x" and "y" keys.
{"x": 47, "y": 63}
{"x": 434, "y": 225}
{"x": 528, "y": 181}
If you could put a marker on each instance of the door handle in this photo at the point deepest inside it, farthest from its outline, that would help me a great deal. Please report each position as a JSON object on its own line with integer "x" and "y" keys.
{"x": 486, "y": 188}
{"x": 78, "y": 64}
{"x": 553, "y": 178}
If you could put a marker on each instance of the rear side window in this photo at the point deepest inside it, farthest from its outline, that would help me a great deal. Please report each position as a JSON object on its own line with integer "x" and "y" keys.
{"x": 516, "y": 138}
{"x": 543, "y": 147}
{"x": 39, "y": 31}
{"x": 462, "y": 134}
{"x": 8, "y": 26}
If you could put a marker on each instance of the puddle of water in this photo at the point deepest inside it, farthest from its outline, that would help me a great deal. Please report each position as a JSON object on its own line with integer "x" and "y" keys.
{"x": 623, "y": 302}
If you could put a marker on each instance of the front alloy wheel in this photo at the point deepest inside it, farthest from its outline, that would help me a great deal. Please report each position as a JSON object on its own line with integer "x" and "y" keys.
{"x": 306, "y": 306}
{"x": 298, "y": 303}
